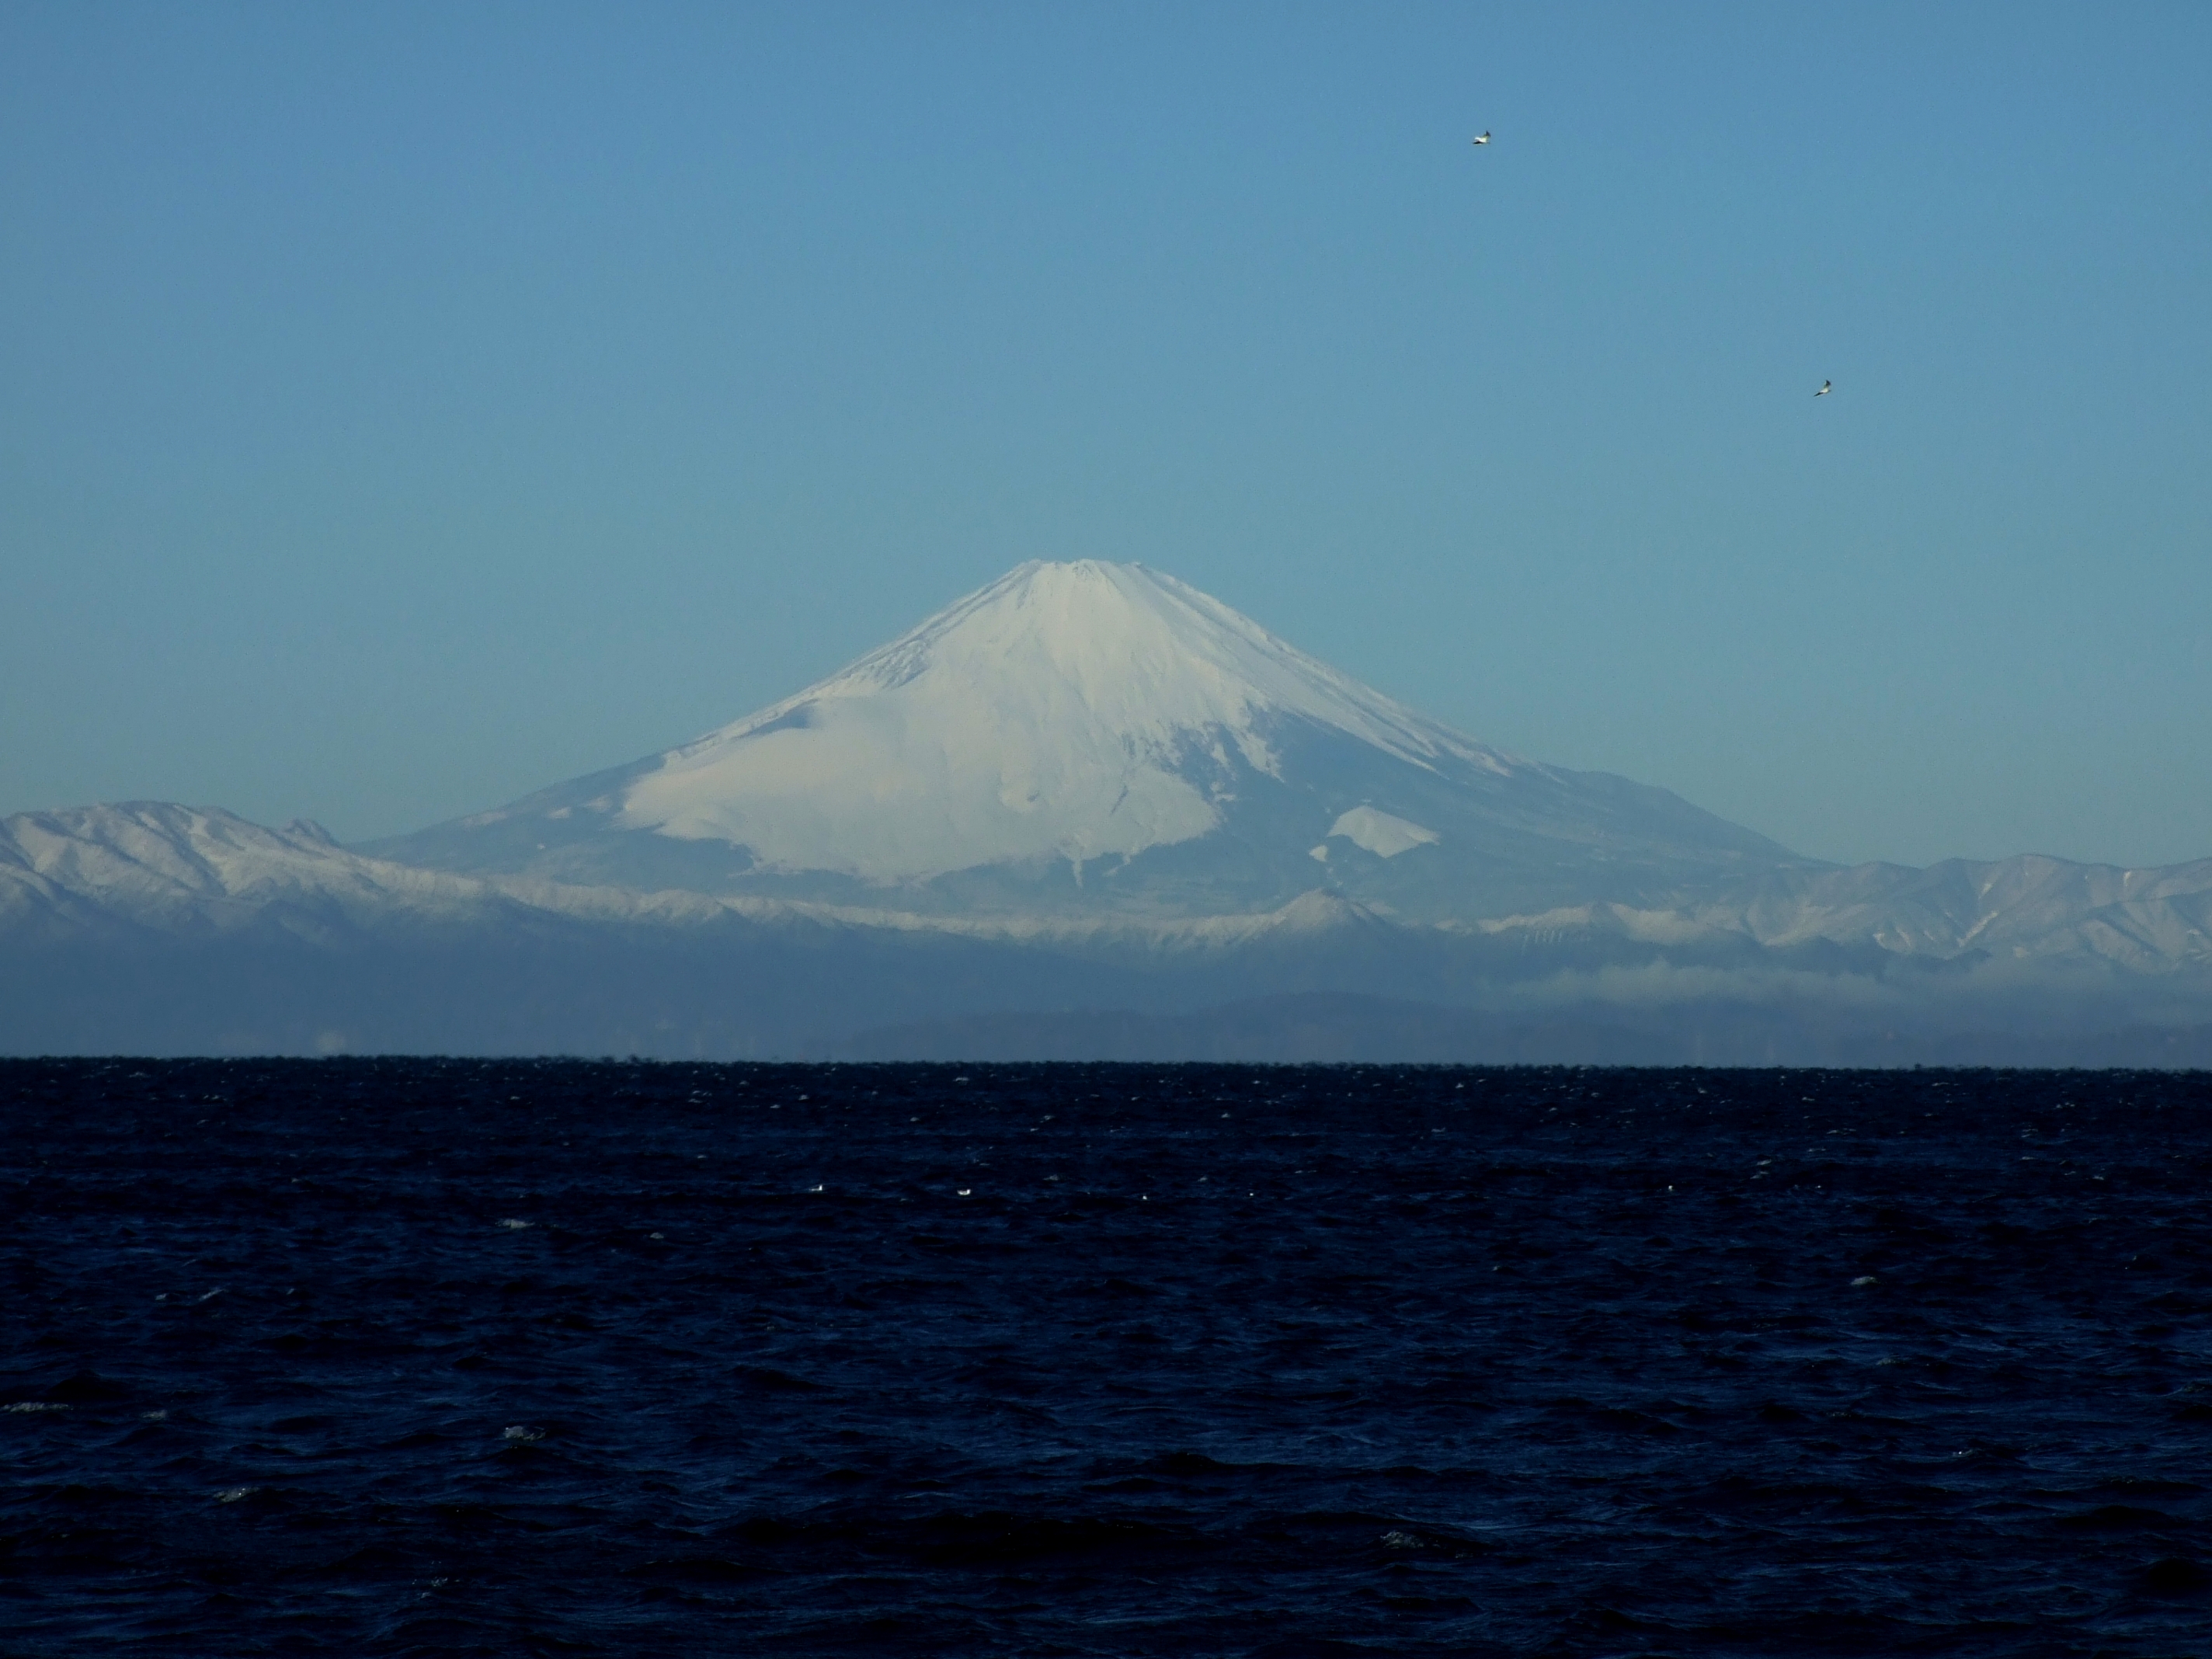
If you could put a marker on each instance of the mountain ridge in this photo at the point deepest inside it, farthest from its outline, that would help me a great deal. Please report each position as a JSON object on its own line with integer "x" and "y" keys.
{"x": 201, "y": 870}
{"x": 156, "y": 928}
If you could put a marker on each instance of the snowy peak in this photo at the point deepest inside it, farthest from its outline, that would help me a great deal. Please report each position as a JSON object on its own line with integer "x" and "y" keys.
{"x": 1067, "y": 711}
{"x": 1085, "y": 738}
{"x": 1128, "y": 649}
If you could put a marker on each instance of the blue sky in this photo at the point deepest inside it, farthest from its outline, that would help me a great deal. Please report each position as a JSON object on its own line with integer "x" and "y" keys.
{"x": 403, "y": 408}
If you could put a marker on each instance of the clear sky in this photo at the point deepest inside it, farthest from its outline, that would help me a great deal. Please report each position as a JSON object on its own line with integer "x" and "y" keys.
{"x": 402, "y": 408}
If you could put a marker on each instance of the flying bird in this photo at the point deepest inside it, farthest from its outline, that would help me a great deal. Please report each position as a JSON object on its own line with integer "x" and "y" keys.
{"x": 1485, "y": 138}
{"x": 1826, "y": 387}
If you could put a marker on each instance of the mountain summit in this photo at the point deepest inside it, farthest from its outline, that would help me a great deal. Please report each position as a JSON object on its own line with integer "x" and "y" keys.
{"x": 1067, "y": 712}
{"x": 1092, "y": 735}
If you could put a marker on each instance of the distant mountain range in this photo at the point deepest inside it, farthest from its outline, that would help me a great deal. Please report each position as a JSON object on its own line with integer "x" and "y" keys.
{"x": 1086, "y": 799}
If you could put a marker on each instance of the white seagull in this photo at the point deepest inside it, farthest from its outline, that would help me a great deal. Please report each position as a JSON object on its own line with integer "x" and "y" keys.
{"x": 1826, "y": 387}
{"x": 1485, "y": 138}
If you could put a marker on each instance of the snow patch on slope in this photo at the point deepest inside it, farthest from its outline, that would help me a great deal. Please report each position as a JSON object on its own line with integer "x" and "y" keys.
{"x": 1381, "y": 833}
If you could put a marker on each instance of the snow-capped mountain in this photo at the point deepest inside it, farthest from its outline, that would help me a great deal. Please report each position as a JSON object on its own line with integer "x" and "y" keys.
{"x": 1086, "y": 794}
{"x": 1091, "y": 736}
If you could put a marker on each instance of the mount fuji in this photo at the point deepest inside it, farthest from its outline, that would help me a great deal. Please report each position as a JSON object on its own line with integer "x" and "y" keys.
{"x": 1084, "y": 812}
{"x": 1102, "y": 737}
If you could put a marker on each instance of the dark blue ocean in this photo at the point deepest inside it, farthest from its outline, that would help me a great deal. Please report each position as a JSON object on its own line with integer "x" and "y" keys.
{"x": 381, "y": 1358}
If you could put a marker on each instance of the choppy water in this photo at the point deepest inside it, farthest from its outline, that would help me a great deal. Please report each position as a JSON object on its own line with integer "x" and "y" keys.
{"x": 384, "y": 1358}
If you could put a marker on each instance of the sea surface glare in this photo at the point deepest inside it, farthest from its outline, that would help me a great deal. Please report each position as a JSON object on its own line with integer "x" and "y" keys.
{"x": 395, "y": 1356}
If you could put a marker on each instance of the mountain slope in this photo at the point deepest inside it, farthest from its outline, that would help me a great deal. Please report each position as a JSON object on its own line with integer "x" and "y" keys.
{"x": 1088, "y": 737}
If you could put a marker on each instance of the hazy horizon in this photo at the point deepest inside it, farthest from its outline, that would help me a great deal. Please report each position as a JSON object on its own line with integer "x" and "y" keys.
{"x": 404, "y": 411}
